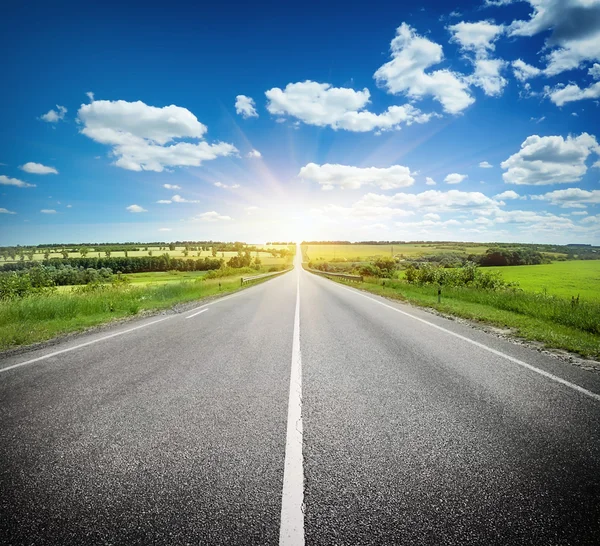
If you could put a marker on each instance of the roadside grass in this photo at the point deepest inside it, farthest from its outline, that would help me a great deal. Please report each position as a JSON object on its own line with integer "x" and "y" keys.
{"x": 41, "y": 317}
{"x": 534, "y": 317}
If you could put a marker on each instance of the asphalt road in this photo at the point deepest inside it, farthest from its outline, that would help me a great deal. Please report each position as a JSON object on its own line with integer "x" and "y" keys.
{"x": 415, "y": 430}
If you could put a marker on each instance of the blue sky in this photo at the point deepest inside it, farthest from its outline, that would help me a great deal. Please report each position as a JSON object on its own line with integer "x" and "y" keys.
{"x": 340, "y": 120}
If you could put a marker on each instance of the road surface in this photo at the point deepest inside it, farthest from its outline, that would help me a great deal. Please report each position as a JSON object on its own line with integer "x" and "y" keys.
{"x": 297, "y": 411}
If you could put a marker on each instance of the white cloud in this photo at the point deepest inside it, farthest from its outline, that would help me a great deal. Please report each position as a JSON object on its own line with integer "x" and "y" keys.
{"x": 412, "y": 55}
{"x": 485, "y": 165}
{"x": 591, "y": 219}
{"x": 6, "y": 181}
{"x": 560, "y": 95}
{"x": 37, "y": 168}
{"x": 54, "y": 116}
{"x": 171, "y": 186}
{"x": 254, "y": 154}
{"x": 575, "y": 32}
{"x": 142, "y": 136}
{"x": 508, "y": 194}
{"x": 48, "y": 211}
{"x": 550, "y": 160}
{"x": 69, "y": 206}
{"x": 226, "y": 186}
{"x": 164, "y": 229}
{"x": 322, "y": 105}
{"x": 6, "y": 211}
{"x": 430, "y": 181}
{"x": 211, "y": 216}
{"x": 570, "y": 198}
{"x": 432, "y": 216}
{"x": 478, "y": 37}
{"x": 136, "y": 208}
{"x": 90, "y": 96}
{"x": 524, "y": 71}
{"x": 179, "y": 199}
{"x": 164, "y": 201}
{"x": 348, "y": 177}
{"x": 455, "y": 178}
{"x": 245, "y": 107}
{"x": 579, "y": 213}
{"x": 477, "y": 41}
{"x": 594, "y": 72}
{"x": 251, "y": 209}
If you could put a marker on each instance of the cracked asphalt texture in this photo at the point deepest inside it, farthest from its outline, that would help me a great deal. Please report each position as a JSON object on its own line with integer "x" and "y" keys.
{"x": 175, "y": 433}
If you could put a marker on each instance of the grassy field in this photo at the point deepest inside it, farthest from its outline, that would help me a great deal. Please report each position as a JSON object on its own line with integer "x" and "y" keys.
{"x": 366, "y": 253}
{"x": 534, "y": 317}
{"x": 564, "y": 279}
{"x": 39, "y": 318}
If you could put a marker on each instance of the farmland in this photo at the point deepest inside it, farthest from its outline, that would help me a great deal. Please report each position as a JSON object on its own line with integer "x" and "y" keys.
{"x": 564, "y": 279}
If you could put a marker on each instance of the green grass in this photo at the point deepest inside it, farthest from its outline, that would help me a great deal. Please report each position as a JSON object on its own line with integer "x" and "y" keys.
{"x": 564, "y": 279}
{"x": 549, "y": 320}
{"x": 39, "y": 318}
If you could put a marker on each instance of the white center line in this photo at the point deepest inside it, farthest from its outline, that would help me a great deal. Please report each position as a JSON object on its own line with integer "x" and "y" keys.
{"x": 512, "y": 359}
{"x": 291, "y": 531}
{"x": 197, "y": 313}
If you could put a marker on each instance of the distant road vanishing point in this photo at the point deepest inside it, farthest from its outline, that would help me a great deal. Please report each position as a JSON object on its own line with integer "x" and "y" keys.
{"x": 299, "y": 411}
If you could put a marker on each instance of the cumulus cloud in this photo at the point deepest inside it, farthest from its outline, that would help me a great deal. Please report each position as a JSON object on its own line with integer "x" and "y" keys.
{"x": 430, "y": 181}
{"x": 245, "y": 107}
{"x": 211, "y": 216}
{"x": 570, "y": 198}
{"x": 477, "y": 42}
{"x": 253, "y": 154}
{"x": 322, "y": 105}
{"x": 54, "y": 116}
{"x": 330, "y": 176}
{"x": 164, "y": 201}
{"x": 179, "y": 199}
{"x": 524, "y": 71}
{"x": 6, "y": 181}
{"x": 171, "y": 186}
{"x": 455, "y": 178}
{"x": 575, "y": 32}
{"x": 37, "y": 168}
{"x": 550, "y": 160}
{"x": 594, "y": 72}
{"x": 226, "y": 186}
{"x": 48, "y": 211}
{"x": 485, "y": 165}
{"x": 136, "y": 208}
{"x": 142, "y": 137}
{"x": 560, "y": 95}
{"x": 406, "y": 74}
{"x": 508, "y": 194}
{"x": 6, "y": 211}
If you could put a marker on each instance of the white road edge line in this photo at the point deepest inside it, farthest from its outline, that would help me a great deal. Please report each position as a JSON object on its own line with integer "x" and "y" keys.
{"x": 196, "y": 313}
{"x": 55, "y": 353}
{"x": 50, "y": 355}
{"x": 291, "y": 531}
{"x": 485, "y": 347}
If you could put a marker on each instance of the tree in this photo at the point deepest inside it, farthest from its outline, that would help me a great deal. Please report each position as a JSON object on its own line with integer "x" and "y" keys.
{"x": 107, "y": 253}
{"x": 186, "y": 251}
{"x": 46, "y": 254}
{"x": 83, "y": 251}
{"x": 214, "y": 252}
{"x": 65, "y": 253}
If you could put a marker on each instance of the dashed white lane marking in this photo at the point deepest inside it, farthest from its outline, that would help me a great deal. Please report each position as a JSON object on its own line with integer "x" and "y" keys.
{"x": 197, "y": 313}
{"x": 484, "y": 347}
{"x": 291, "y": 531}
{"x": 81, "y": 345}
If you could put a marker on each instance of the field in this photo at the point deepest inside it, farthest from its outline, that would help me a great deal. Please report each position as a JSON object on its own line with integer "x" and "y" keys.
{"x": 564, "y": 279}
{"x": 365, "y": 253}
